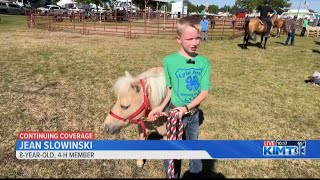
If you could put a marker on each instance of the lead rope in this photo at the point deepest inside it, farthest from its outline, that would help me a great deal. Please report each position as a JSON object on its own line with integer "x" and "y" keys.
{"x": 172, "y": 134}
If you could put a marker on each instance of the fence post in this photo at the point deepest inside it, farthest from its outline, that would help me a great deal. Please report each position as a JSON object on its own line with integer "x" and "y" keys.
{"x": 223, "y": 27}
{"x": 116, "y": 14}
{"x": 95, "y": 19}
{"x": 49, "y": 22}
{"x": 83, "y": 24}
{"x": 65, "y": 20}
{"x": 104, "y": 22}
{"x": 73, "y": 20}
{"x": 233, "y": 31}
{"x": 29, "y": 19}
{"x": 144, "y": 22}
{"x": 158, "y": 15}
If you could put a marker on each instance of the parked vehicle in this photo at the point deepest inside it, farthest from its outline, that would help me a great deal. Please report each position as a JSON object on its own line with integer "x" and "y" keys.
{"x": 101, "y": 10}
{"x": 6, "y": 7}
{"x": 76, "y": 10}
{"x": 52, "y": 10}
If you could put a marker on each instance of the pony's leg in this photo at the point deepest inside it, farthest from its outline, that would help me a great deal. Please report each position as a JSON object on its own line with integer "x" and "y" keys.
{"x": 265, "y": 42}
{"x": 140, "y": 162}
{"x": 247, "y": 40}
{"x": 262, "y": 36}
{"x": 244, "y": 44}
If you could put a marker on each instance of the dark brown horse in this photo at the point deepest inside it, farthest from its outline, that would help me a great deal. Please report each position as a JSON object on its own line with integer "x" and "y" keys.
{"x": 257, "y": 26}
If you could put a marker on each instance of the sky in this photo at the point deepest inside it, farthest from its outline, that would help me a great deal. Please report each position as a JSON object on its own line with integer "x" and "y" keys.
{"x": 312, "y": 4}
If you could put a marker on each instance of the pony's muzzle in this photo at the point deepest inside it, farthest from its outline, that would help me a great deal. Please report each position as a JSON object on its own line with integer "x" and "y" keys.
{"x": 111, "y": 130}
{"x": 106, "y": 128}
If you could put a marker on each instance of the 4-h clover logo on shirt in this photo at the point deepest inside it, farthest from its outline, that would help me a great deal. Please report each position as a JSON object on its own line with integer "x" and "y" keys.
{"x": 192, "y": 83}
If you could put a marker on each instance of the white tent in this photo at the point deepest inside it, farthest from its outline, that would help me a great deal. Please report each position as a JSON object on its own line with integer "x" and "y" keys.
{"x": 64, "y": 3}
{"x": 180, "y": 7}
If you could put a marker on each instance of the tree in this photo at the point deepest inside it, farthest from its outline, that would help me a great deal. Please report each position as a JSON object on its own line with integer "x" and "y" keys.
{"x": 191, "y": 7}
{"x": 252, "y": 5}
{"x": 225, "y": 8}
{"x": 200, "y": 8}
{"x": 234, "y": 9}
{"x": 140, "y": 2}
{"x": 213, "y": 9}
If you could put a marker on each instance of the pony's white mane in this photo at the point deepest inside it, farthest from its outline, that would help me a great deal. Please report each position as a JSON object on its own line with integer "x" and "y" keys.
{"x": 157, "y": 84}
{"x": 154, "y": 80}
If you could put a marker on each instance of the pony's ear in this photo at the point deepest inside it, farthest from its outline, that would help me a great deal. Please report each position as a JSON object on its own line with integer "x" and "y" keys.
{"x": 136, "y": 86}
{"x": 128, "y": 74}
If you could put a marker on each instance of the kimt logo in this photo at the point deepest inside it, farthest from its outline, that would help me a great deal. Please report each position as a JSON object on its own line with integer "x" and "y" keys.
{"x": 284, "y": 148}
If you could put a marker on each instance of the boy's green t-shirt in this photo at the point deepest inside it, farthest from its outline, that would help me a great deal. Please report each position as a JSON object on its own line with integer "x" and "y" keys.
{"x": 186, "y": 80}
{"x": 305, "y": 23}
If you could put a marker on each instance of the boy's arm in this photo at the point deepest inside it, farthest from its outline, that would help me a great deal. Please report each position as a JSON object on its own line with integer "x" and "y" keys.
{"x": 197, "y": 100}
{"x": 184, "y": 109}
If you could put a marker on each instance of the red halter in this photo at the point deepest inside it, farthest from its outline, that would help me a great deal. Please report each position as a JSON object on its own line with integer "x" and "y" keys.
{"x": 144, "y": 106}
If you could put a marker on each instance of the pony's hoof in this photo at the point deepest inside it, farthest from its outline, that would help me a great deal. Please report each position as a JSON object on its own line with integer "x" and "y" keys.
{"x": 140, "y": 163}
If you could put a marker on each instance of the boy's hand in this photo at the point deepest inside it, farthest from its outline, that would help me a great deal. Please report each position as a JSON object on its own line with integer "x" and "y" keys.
{"x": 154, "y": 113}
{"x": 182, "y": 111}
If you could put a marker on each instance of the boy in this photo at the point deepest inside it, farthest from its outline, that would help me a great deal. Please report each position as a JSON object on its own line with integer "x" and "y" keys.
{"x": 187, "y": 76}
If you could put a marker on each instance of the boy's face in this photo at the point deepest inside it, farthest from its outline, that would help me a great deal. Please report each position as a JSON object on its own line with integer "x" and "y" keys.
{"x": 189, "y": 39}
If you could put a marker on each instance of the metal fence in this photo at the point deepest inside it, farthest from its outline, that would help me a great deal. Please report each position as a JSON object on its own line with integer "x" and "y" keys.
{"x": 126, "y": 24}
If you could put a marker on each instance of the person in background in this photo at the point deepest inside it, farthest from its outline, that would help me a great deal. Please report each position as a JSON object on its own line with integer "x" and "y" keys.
{"x": 213, "y": 21}
{"x": 265, "y": 12}
{"x": 304, "y": 26}
{"x": 204, "y": 28}
{"x": 292, "y": 26}
{"x": 316, "y": 20}
{"x": 234, "y": 19}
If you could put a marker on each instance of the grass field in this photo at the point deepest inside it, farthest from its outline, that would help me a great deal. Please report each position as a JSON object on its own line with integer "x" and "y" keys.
{"x": 58, "y": 81}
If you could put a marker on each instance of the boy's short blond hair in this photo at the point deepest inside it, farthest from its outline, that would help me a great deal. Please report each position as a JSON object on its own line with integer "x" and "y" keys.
{"x": 192, "y": 21}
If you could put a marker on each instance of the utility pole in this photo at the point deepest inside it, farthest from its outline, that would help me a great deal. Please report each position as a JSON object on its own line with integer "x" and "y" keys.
{"x": 127, "y": 9}
{"x": 299, "y": 9}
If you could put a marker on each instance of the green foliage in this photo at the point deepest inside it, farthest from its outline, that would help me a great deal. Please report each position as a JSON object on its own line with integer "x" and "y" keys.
{"x": 234, "y": 9}
{"x": 225, "y": 8}
{"x": 191, "y": 7}
{"x": 213, "y": 8}
{"x": 252, "y": 5}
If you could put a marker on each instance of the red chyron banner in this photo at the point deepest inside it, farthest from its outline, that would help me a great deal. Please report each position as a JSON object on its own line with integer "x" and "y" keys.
{"x": 55, "y": 136}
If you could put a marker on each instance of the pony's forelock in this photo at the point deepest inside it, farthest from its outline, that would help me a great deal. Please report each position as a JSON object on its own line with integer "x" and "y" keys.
{"x": 122, "y": 85}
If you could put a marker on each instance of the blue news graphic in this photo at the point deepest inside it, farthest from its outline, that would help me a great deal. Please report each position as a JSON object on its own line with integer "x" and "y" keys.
{"x": 217, "y": 149}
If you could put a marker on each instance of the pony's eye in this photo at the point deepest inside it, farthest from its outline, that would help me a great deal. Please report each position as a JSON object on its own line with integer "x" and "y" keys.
{"x": 124, "y": 107}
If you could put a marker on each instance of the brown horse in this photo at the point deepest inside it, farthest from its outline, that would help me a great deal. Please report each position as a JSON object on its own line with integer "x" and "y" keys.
{"x": 136, "y": 97}
{"x": 280, "y": 25}
{"x": 257, "y": 26}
